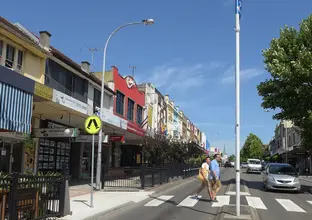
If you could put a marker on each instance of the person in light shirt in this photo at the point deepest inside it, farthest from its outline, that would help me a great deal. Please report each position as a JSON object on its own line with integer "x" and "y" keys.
{"x": 214, "y": 182}
{"x": 204, "y": 172}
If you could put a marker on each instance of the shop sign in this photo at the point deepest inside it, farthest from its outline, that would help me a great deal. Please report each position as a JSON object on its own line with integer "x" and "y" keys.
{"x": 69, "y": 102}
{"x": 43, "y": 91}
{"x": 112, "y": 119}
{"x": 55, "y": 132}
{"x": 88, "y": 139}
{"x": 116, "y": 138}
{"x": 130, "y": 82}
{"x": 136, "y": 130}
{"x": 54, "y": 125}
{"x": 13, "y": 135}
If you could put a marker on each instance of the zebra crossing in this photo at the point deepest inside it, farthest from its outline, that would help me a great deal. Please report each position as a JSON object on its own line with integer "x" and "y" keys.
{"x": 255, "y": 202}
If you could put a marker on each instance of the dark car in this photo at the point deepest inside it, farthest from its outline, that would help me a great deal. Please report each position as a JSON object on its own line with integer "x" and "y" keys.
{"x": 227, "y": 164}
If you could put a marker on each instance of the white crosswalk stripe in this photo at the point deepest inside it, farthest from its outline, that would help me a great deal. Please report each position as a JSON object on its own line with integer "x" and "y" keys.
{"x": 156, "y": 202}
{"x": 189, "y": 201}
{"x": 255, "y": 202}
{"x": 289, "y": 205}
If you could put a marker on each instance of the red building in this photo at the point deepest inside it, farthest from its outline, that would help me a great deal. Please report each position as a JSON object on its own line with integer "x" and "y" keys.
{"x": 129, "y": 102}
{"x": 129, "y": 105}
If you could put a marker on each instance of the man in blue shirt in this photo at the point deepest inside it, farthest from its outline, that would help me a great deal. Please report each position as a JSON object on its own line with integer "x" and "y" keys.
{"x": 215, "y": 182}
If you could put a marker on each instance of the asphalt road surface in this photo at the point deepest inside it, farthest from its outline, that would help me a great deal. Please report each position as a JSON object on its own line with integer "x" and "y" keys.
{"x": 277, "y": 205}
{"x": 175, "y": 203}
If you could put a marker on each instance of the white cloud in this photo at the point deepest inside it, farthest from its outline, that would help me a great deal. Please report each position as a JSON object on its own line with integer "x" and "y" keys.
{"x": 181, "y": 76}
{"x": 246, "y": 74}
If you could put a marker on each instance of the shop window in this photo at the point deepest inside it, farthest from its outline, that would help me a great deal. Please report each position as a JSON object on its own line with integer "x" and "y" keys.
{"x": 130, "y": 111}
{"x": 120, "y": 99}
{"x": 139, "y": 114}
{"x": 9, "y": 62}
{"x": 1, "y": 46}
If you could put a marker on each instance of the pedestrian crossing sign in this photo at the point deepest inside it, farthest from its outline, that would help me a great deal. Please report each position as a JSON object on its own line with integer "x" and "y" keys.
{"x": 93, "y": 124}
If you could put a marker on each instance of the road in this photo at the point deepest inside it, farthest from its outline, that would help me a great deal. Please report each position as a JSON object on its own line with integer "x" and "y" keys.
{"x": 174, "y": 203}
{"x": 277, "y": 205}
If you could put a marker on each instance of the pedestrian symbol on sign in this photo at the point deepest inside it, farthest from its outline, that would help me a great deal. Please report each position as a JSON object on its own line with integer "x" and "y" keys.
{"x": 93, "y": 124}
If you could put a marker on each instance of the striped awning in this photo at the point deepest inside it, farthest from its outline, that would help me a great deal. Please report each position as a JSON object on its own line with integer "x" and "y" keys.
{"x": 15, "y": 109}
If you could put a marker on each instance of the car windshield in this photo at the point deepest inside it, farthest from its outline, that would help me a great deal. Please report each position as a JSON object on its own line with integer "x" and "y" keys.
{"x": 282, "y": 170}
{"x": 254, "y": 162}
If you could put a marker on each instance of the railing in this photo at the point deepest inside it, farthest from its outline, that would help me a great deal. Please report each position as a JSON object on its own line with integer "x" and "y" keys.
{"x": 31, "y": 197}
{"x": 145, "y": 176}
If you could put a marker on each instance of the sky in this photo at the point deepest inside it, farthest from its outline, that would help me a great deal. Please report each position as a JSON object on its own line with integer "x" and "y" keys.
{"x": 189, "y": 53}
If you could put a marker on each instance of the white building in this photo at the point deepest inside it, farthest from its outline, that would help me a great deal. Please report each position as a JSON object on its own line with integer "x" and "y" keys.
{"x": 203, "y": 140}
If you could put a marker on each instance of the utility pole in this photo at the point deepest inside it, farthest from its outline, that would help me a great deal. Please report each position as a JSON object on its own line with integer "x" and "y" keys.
{"x": 133, "y": 70}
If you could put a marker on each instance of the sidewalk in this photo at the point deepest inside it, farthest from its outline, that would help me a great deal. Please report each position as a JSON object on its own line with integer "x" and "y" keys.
{"x": 103, "y": 202}
{"x": 306, "y": 183}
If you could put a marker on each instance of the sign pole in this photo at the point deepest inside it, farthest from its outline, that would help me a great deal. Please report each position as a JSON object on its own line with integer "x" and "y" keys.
{"x": 92, "y": 170}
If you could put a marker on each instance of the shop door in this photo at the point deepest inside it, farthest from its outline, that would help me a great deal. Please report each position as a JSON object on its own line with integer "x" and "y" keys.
{"x": 5, "y": 153}
{"x": 17, "y": 157}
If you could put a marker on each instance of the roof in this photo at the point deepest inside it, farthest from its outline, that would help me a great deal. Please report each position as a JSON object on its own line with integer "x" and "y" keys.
{"x": 56, "y": 53}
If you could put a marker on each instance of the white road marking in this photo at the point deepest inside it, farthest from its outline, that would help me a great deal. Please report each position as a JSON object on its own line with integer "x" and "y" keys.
{"x": 189, "y": 201}
{"x": 255, "y": 202}
{"x": 233, "y": 193}
{"x": 156, "y": 202}
{"x": 310, "y": 202}
{"x": 222, "y": 200}
{"x": 289, "y": 205}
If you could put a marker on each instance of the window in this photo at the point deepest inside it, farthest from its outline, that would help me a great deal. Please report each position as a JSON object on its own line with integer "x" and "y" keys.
{"x": 80, "y": 88}
{"x": 120, "y": 98}
{"x": 9, "y": 62}
{"x": 130, "y": 112}
{"x": 20, "y": 56}
{"x": 139, "y": 114}
{"x": 96, "y": 98}
{"x": 1, "y": 46}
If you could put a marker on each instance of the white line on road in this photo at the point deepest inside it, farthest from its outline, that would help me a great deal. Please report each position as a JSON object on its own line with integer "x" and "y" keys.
{"x": 310, "y": 202}
{"x": 233, "y": 193}
{"x": 255, "y": 202}
{"x": 189, "y": 201}
{"x": 156, "y": 202}
{"x": 222, "y": 200}
{"x": 289, "y": 205}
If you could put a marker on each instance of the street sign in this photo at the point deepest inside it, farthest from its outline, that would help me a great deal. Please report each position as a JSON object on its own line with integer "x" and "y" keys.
{"x": 93, "y": 124}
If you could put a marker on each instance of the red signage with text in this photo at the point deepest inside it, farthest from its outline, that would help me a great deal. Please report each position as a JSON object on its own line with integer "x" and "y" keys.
{"x": 135, "y": 129}
{"x": 116, "y": 138}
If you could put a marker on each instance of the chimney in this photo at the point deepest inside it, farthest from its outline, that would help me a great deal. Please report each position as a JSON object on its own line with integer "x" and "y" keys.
{"x": 44, "y": 39}
{"x": 111, "y": 85}
{"x": 85, "y": 66}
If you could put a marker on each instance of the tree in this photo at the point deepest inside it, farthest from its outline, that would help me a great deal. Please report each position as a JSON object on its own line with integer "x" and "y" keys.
{"x": 253, "y": 147}
{"x": 232, "y": 158}
{"x": 289, "y": 89}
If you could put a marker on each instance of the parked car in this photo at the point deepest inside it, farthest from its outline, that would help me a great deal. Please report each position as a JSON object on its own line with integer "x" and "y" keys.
{"x": 227, "y": 164}
{"x": 232, "y": 164}
{"x": 281, "y": 176}
{"x": 254, "y": 165}
{"x": 244, "y": 165}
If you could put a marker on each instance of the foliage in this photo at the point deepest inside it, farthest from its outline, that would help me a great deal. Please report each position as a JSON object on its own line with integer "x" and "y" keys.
{"x": 232, "y": 158}
{"x": 289, "y": 89}
{"x": 159, "y": 149}
{"x": 253, "y": 147}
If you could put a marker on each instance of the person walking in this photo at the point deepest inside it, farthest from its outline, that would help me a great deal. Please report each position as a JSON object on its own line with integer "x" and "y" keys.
{"x": 214, "y": 182}
{"x": 204, "y": 177}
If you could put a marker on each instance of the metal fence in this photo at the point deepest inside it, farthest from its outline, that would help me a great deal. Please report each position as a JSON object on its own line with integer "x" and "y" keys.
{"x": 31, "y": 197}
{"x": 145, "y": 176}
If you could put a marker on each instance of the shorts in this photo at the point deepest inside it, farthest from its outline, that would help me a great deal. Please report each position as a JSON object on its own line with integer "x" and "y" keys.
{"x": 215, "y": 185}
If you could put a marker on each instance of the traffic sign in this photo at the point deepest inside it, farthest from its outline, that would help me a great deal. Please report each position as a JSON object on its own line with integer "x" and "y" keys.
{"x": 93, "y": 124}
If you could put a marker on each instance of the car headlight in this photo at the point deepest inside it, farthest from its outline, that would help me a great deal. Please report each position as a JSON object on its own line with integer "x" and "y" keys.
{"x": 271, "y": 178}
{"x": 296, "y": 180}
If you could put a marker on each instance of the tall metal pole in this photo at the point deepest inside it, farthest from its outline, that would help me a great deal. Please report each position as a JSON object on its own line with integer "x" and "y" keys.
{"x": 286, "y": 141}
{"x": 99, "y": 156}
{"x": 92, "y": 172}
{"x": 237, "y": 118}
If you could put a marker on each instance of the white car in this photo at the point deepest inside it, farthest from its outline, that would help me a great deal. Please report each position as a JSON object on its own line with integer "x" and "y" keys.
{"x": 232, "y": 164}
{"x": 254, "y": 165}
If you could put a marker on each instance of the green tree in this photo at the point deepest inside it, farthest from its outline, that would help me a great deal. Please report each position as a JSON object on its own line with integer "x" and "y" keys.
{"x": 232, "y": 158}
{"x": 253, "y": 147}
{"x": 288, "y": 60}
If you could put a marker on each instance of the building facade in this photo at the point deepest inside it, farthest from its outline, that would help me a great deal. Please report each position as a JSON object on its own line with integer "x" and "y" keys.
{"x": 161, "y": 113}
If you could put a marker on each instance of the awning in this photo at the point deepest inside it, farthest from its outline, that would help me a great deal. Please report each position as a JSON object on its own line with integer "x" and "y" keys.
{"x": 15, "y": 109}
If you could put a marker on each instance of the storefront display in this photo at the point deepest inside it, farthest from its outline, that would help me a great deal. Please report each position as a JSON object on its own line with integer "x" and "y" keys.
{"x": 53, "y": 155}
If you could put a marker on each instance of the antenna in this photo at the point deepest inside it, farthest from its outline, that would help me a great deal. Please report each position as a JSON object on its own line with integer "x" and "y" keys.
{"x": 92, "y": 50}
{"x": 133, "y": 70}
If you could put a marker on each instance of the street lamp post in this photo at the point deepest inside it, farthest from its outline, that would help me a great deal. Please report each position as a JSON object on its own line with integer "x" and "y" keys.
{"x": 99, "y": 158}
